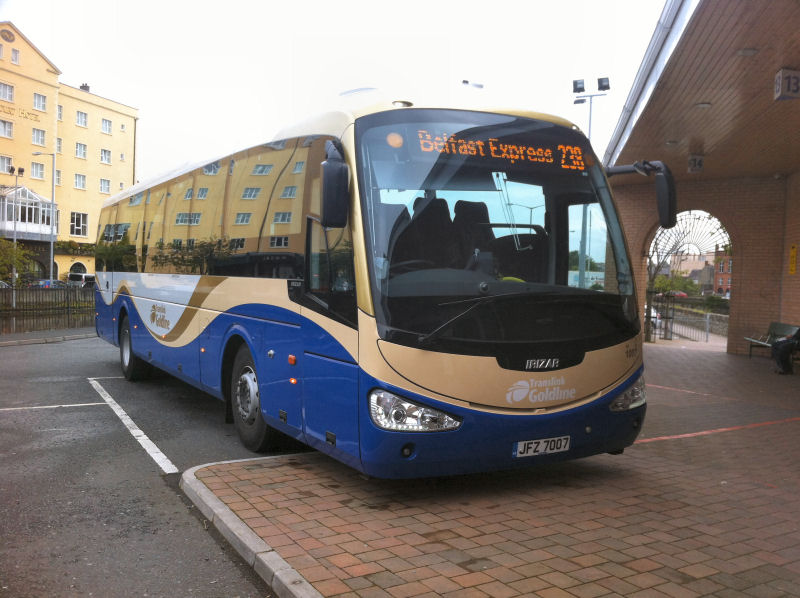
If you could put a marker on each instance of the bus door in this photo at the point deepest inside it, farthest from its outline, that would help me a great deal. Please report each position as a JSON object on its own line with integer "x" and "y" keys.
{"x": 330, "y": 371}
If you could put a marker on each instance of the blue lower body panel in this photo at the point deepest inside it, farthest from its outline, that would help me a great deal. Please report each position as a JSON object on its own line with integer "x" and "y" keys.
{"x": 487, "y": 441}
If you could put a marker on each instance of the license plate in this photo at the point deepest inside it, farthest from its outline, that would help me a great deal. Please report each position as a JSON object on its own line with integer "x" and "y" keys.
{"x": 542, "y": 446}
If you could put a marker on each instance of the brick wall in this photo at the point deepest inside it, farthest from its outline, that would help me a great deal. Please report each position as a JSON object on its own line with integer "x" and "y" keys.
{"x": 790, "y": 289}
{"x": 753, "y": 212}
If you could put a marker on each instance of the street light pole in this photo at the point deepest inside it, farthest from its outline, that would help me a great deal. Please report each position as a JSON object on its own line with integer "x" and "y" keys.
{"x": 17, "y": 173}
{"x": 577, "y": 87}
{"x": 52, "y": 210}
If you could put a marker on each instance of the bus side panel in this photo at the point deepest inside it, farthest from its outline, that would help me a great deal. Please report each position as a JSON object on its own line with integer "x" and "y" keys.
{"x": 330, "y": 407}
{"x": 486, "y": 441}
{"x": 104, "y": 309}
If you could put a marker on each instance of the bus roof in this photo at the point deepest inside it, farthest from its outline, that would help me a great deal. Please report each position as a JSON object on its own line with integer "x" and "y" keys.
{"x": 334, "y": 123}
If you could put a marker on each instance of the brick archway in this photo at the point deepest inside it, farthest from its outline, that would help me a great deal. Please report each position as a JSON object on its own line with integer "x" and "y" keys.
{"x": 749, "y": 209}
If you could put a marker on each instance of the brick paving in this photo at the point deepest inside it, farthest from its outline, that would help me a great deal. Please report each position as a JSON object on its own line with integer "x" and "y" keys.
{"x": 707, "y": 503}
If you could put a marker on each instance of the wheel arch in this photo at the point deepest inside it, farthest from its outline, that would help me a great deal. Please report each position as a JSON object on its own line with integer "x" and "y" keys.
{"x": 232, "y": 345}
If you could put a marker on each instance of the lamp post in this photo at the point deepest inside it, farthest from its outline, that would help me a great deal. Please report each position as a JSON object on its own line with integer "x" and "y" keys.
{"x": 17, "y": 173}
{"x": 578, "y": 87}
{"x": 52, "y": 211}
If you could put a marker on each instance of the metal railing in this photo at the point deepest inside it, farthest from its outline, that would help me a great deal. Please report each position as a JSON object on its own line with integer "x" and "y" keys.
{"x": 32, "y": 309}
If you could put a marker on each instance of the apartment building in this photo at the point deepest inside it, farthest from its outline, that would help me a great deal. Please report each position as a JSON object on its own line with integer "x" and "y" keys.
{"x": 73, "y": 149}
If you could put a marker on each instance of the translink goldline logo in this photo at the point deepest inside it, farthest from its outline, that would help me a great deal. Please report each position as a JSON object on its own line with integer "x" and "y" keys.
{"x": 538, "y": 391}
{"x": 158, "y": 316}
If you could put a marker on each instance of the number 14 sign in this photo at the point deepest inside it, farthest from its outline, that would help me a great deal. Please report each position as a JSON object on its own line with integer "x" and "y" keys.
{"x": 787, "y": 84}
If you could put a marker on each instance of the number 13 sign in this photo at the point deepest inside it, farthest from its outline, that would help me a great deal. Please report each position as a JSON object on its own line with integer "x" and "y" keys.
{"x": 787, "y": 84}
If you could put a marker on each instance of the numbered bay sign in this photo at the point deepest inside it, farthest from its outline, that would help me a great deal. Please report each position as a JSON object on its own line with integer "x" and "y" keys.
{"x": 787, "y": 84}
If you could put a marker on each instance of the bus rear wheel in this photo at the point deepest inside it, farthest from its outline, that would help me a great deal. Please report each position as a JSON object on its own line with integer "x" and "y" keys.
{"x": 133, "y": 368}
{"x": 253, "y": 431}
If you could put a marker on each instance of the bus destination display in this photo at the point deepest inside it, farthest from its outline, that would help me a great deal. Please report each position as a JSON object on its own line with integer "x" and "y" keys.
{"x": 568, "y": 157}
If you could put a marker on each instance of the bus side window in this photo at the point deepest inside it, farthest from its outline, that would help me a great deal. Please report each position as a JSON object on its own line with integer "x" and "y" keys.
{"x": 330, "y": 277}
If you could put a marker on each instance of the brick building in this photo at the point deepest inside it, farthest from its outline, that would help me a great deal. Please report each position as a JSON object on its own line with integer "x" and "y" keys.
{"x": 706, "y": 96}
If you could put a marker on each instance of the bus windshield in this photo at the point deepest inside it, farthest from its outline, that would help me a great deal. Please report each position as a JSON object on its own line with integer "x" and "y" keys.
{"x": 486, "y": 230}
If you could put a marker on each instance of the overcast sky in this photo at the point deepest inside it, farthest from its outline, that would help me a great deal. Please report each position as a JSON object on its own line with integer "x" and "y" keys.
{"x": 209, "y": 78}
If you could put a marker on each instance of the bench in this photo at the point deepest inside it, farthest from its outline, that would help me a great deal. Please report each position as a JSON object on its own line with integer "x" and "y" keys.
{"x": 776, "y": 331}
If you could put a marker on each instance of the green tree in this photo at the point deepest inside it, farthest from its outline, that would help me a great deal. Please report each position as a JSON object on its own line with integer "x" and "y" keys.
{"x": 9, "y": 259}
{"x": 591, "y": 265}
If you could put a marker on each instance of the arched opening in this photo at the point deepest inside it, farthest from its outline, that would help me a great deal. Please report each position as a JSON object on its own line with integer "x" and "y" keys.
{"x": 77, "y": 268}
{"x": 689, "y": 276}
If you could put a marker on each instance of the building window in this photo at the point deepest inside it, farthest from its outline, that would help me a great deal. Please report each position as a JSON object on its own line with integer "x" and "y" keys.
{"x": 105, "y": 186}
{"x": 6, "y": 129}
{"x": 190, "y": 244}
{"x": 190, "y": 218}
{"x": 243, "y": 218}
{"x": 37, "y": 170}
{"x": 79, "y": 224}
{"x": 37, "y": 137}
{"x": 60, "y": 111}
{"x": 80, "y": 181}
{"x": 211, "y": 169}
{"x": 135, "y": 200}
{"x": 730, "y": 266}
{"x": 58, "y": 177}
{"x": 177, "y": 243}
{"x": 298, "y": 167}
{"x": 58, "y": 145}
{"x": 202, "y": 193}
{"x": 5, "y": 163}
{"x": 122, "y": 157}
{"x": 105, "y": 156}
{"x": 289, "y": 192}
{"x": 251, "y": 192}
{"x": 282, "y": 217}
{"x": 189, "y": 193}
{"x": 235, "y": 244}
{"x": 6, "y": 92}
{"x": 262, "y": 169}
{"x": 81, "y": 119}
{"x": 15, "y": 56}
{"x": 105, "y": 126}
{"x": 39, "y": 102}
{"x": 80, "y": 150}
{"x": 279, "y": 241}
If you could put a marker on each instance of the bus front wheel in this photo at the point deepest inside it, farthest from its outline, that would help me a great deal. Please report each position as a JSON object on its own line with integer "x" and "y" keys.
{"x": 246, "y": 404}
{"x": 133, "y": 368}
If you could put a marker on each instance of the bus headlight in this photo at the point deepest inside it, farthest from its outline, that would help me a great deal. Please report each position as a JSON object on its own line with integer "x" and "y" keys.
{"x": 391, "y": 412}
{"x": 635, "y": 396}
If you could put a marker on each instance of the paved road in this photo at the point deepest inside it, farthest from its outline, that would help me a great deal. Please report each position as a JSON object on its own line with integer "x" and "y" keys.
{"x": 84, "y": 510}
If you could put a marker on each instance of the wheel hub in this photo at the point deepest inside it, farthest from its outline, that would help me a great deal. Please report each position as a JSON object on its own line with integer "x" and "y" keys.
{"x": 247, "y": 397}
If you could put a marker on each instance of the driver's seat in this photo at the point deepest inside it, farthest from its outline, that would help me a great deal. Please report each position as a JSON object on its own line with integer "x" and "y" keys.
{"x": 429, "y": 237}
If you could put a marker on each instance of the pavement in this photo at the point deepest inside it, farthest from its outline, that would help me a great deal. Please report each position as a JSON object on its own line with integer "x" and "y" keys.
{"x": 705, "y": 503}
{"x": 45, "y": 336}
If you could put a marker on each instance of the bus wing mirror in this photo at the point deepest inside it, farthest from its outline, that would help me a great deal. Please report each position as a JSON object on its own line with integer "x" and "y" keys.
{"x": 665, "y": 196}
{"x": 666, "y": 199}
{"x": 335, "y": 188}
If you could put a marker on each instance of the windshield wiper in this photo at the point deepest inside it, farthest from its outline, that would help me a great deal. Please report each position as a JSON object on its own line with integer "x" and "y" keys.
{"x": 424, "y": 339}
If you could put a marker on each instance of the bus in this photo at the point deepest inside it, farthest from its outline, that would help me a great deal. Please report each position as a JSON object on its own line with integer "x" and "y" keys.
{"x": 413, "y": 290}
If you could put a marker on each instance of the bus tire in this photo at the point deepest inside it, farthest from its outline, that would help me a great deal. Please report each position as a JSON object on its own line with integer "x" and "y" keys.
{"x": 133, "y": 368}
{"x": 253, "y": 431}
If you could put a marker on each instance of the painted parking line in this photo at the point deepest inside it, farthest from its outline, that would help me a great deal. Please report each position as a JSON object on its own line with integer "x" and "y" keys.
{"x": 718, "y": 430}
{"x": 155, "y": 453}
{"x": 49, "y": 406}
